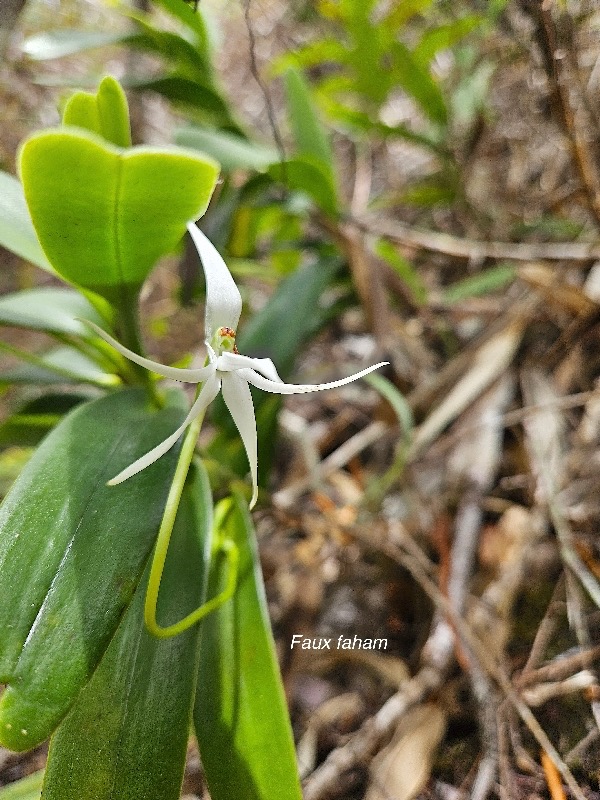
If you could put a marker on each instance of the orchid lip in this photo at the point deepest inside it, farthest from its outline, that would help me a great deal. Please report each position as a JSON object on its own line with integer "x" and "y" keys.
{"x": 227, "y": 370}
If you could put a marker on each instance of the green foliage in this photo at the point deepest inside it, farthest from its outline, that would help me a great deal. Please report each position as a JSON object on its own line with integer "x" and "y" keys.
{"x": 28, "y": 788}
{"x": 58, "y": 365}
{"x": 104, "y": 113}
{"x": 105, "y": 215}
{"x": 135, "y": 745}
{"x": 404, "y": 269}
{"x": 74, "y": 551}
{"x": 309, "y": 136}
{"x": 17, "y": 233}
{"x": 49, "y": 309}
{"x": 240, "y": 716}
{"x": 71, "y": 553}
{"x": 231, "y": 151}
{"x": 35, "y": 418}
{"x": 485, "y": 282}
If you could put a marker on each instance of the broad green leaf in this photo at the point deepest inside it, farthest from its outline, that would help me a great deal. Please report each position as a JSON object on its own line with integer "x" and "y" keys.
{"x": 60, "y": 365}
{"x": 72, "y": 550}
{"x": 240, "y": 716}
{"x": 309, "y": 136}
{"x": 28, "y": 788}
{"x": 126, "y": 736}
{"x": 308, "y": 176}
{"x": 418, "y": 83}
{"x": 105, "y": 215}
{"x": 105, "y": 113}
{"x": 17, "y": 233}
{"x": 48, "y": 309}
{"x": 55, "y": 44}
{"x": 230, "y": 151}
{"x": 35, "y": 418}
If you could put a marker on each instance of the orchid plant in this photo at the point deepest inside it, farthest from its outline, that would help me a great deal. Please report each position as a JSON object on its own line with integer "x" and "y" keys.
{"x": 227, "y": 371}
{"x": 88, "y": 568}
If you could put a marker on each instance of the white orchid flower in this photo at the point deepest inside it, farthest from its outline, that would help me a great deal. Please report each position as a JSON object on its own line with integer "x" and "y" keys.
{"x": 227, "y": 370}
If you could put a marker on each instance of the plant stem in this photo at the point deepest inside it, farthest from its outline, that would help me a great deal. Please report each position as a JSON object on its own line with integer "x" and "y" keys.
{"x": 162, "y": 546}
{"x": 129, "y": 330}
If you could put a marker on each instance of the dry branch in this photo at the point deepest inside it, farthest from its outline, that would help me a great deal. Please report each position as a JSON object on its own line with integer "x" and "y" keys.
{"x": 475, "y": 250}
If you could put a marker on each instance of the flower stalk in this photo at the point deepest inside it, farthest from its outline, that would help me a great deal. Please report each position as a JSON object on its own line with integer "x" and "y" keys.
{"x": 226, "y": 546}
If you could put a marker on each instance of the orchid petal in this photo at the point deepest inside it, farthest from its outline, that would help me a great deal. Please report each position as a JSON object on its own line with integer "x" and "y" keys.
{"x": 207, "y": 394}
{"x": 235, "y": 361}
{"x": 290, "y": 388}
{"x": 177, "y": 373}
{"x": 238, "y": 400}
{"x": 223, "y": 299}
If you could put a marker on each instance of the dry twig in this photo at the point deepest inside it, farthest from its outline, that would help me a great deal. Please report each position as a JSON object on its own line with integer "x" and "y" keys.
{"x": 473, "y": 250}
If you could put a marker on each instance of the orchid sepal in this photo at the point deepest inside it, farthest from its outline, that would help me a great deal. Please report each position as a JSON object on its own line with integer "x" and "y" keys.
{"x": 227, "y": 370}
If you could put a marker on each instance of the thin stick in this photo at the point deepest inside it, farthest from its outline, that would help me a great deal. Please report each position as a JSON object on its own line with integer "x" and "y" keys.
{"x": 475, "y": 250}
{"x": 404, "y": 554}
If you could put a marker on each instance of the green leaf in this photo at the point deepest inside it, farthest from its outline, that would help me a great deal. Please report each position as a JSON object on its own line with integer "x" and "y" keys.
{"x": 48, "y": 309}
{"x": 200, "y": 96}
{"x": 171, "y": 46}
{"x": 418, "y": 83}
{"x": 35, "y": 418}
{"x": 359, "y": 120}
{"x": 232, "y": 152}
{"x": 312, "y": 54}
{"x": 285, "y": 313}
{"x": 444, "y": 37}
{"x": 404, "y": 269}
{"x": 105, "y": 215}
{"x": 240, "y": 715}
{"x": 126, "y": 736}
{"x": 469, "y": 97}
{"x": 55, "y": 44}
{"x": 60, "y": 365}
{"x": 396, "y": 399}
{"x": 434, "y": 190}
{"x": 309, "y": 136}
{"x": 373, "y": 81}
{"x": 28, "y": 788}
{"x": 72, "y": 550}
{"x": 401, "y": 12}
{"x": 17, "y": 233}
{"x": 308, "y": 176}
{"x": 105, "y": 113}
{"x": 12, "y": 461}
{"x": 191, "y": 18}
{"x": 485, "y": 282}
